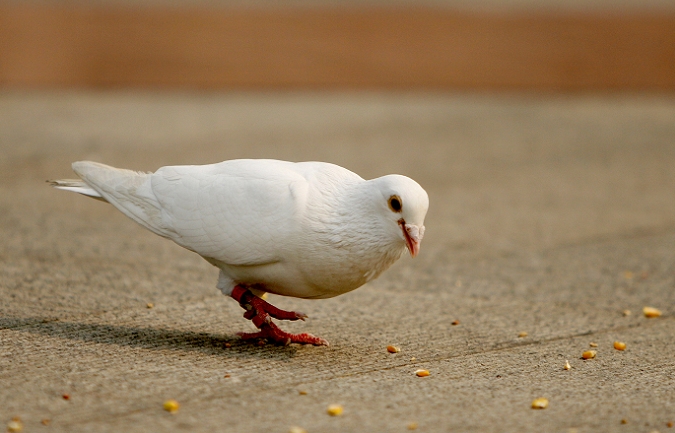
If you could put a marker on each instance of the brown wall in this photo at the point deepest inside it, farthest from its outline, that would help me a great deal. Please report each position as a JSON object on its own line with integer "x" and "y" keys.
{"x": 395, "y": 48}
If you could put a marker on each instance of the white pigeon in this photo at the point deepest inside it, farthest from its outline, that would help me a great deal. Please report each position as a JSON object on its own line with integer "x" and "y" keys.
{"x": 309, "y": 230}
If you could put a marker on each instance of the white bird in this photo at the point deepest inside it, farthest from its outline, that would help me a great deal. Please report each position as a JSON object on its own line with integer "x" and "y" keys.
{"x": 309, "y": 230}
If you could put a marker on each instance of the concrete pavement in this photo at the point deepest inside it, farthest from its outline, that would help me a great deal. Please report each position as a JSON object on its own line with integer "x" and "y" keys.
{"x": 549, "y": 215}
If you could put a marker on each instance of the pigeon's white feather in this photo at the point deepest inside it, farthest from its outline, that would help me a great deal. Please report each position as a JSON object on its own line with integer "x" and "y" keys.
{"x": 228, "y": 212}
{"x": 127, "y": 190}
{"x": 310, "y": 229}
{"x": 76, "y": 185}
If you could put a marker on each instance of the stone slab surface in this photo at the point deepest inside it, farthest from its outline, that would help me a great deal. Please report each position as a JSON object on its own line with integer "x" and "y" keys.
{"x": 549, "y": 215}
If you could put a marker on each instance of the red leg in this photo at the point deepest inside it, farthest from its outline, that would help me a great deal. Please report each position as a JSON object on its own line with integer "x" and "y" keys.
{"x": 261, "y": 312}
{"x": 245, "y": 297}
{"x": 262, "y": 305}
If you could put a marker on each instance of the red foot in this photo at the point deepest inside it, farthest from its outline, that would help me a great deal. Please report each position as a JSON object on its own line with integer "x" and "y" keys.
{"x": 261, "y": 312}
{"x": 270, "y": 331}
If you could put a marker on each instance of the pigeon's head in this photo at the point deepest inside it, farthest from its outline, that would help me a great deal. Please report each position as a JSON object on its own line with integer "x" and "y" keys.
{"x": 403, "y": 204}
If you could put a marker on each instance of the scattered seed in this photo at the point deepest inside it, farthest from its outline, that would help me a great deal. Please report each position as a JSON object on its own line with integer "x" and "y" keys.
{"x": 302, "y": 392}
{"x": 413, "y": 359}
{"x": 296, "y": 429}
{"x": 626, "y": 312}
{"x": 455, "y": 322}
{"x": 412, "y": 426}
{"x": 15, "y": 425}
{"x": 66, "y": 396}
{"x": 589, "y": 354}
{"x": 650, "y": 312}
{"x": 171, "y": 406}
{"x": 624, "y": 421}
{"x": 334, "y": 410}
{"x": 149, "y": 305}
{"x": 46, "y": 421}
{"x": 618, "y": 345}
{"x": 567, "y": 365}
{"x": 540, "y": 403}
{"x": 522, "y": 334}
{"x": 669, "y": 424}
{"x": 228, "y": 345}
{"x": 393, "y": 349}
{"x": 593, "y": 344}
{"x": 628, "y": 275}
{"x": 422, "y": 373}
{"x": 227, "y": 376}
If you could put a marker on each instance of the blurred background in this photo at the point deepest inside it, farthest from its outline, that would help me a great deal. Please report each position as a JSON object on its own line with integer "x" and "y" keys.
{"x": 544, "y": 45}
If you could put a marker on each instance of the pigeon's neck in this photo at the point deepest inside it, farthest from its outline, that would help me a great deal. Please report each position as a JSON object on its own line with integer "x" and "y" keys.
{"x": 345, "y": 244}
{"x": 360, "y": 231}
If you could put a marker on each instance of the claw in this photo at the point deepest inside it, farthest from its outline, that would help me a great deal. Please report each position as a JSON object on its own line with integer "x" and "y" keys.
{"x": 261, "y": 312}
{"x": 271, "y": 332}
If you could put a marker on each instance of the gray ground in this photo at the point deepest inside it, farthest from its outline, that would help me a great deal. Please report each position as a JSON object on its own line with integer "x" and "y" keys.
{"x": 549, "y": 215}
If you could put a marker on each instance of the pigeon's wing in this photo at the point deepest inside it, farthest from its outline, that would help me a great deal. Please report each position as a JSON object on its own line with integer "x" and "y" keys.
{"x": 239, "y": 212}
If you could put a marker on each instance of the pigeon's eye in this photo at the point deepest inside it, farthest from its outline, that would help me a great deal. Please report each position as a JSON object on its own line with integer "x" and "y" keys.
{"x": 395, "y": 203}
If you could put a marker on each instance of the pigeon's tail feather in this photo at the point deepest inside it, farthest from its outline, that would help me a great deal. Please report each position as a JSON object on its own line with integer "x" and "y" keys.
{"x": 78, "y": 186}
{"x": 106, "y": 179}
{"x": 129, "y": 191}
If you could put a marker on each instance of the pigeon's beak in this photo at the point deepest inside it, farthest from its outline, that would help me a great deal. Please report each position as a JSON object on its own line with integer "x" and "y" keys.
{"x": 413, "y": 236}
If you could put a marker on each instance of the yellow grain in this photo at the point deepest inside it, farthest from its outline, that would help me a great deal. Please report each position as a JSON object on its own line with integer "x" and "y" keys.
{"x": 540, "y": 403}
{"x": 171, "y": 406}
{"x": 589, "y": 354}
{"x": 651, "y": 312}
{"x": 334, "y": 410}
{"x": 15, "y": 425}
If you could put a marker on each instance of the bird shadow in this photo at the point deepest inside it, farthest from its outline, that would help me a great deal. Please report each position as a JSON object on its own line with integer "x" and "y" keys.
{"x": 149, "y": 338}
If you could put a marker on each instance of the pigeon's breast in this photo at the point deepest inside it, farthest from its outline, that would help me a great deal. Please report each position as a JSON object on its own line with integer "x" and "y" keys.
{"x": 289, "y": 279}
{"x": 315, "y": 274}
{"x": 340, "y": 267}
